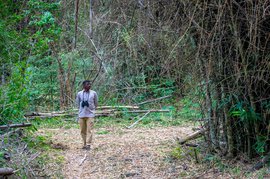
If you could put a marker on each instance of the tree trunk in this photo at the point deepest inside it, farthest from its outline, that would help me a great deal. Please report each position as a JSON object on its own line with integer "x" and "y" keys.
{"x": 90, "y": 19}
{"x": 66, "y": 82}
{"x": 61, "y": 78}
{"x": 77, "y": 3}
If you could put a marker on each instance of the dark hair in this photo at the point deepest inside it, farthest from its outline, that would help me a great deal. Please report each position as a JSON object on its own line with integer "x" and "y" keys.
{"x": 86, "y": 81}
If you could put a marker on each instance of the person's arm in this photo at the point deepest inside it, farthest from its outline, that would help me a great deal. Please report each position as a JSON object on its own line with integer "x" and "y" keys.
{"x": 78, "y": 100}
{"x": 96, "y": 100}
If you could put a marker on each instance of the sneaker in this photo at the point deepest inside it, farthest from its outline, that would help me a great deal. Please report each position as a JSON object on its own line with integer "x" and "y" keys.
{"x": 86, "y": 147}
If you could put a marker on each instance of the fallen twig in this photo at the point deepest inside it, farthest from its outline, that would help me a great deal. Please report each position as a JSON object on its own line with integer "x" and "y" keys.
{"x": 153, "y": 100}
{"x": 11, "y": 132}
{"x": 33, "y": 157}
{"x": 144, "y": 111}
{"x": 139, "y": 120}
{"x": 85, "y": 156}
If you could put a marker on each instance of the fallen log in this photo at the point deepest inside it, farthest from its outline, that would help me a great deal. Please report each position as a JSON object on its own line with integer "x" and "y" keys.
{"x": 118, "y": 107}
{"x": 261, "y": 163}
{"x": 138, "y": 120}
{"x": 98, "y": 113}
{"x": 98, "y": 108}
{"x": 6, "y": 171}
{"x": 15, "y": 125}
{"x": 106, "y": 108}
{"x": 191, "y": 136}
{"x": 50, "y": 115}
{"x": 30, "y": 114}
{"x": 154, "y": 100}
{"x": 63, "y": 113}
{"x": 54, "y": 115}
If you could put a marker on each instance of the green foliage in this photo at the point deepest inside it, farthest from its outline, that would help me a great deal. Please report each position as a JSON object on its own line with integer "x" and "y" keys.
{"x": 178, "y": 153}
{"x": 244, "y": 113}
{"x": 187, "y": 108}
{"x": 56, "y": 123}
{"x": 48, "y": 155}
{"x": 102, "y": 132}
{"x": 2, "y": 160}
{"x": 29, "y": 151}
{"x": 43, "y": 5}
{"x": 182, "y": 153}
{"x": 44, "y": 87}
{"x": 38, "y": 142}
{"x": 157, "y": 88}
{"x": 261, "y": 144}
{"x": 27, "y": 30}
{"x": 45, "y": 19}
{"x": 164, "y": 87}
{"x": 126, "y": 36}
{"x": 211, "y": 158}
{"x": 4, "y": 35}
{"x": 14, "y": 96}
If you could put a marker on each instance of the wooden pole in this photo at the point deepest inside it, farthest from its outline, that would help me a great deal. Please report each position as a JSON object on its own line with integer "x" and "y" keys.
{"x": 15, "y": 125}
{"x": 118, "y": 107}
{"x": 111, "y": 110}
{"x": 153, "y": 100}
{"x": 138, "y": 120}
{"x": 6, "y": 171}
{"x": 144, "y": 111}
{"x": 192, "y": 136}
{"x": 75, "y": 109}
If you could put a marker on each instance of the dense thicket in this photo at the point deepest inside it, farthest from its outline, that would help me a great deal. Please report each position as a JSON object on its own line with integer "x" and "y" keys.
{"x": 232, "y": 48}
{"x": 216, "y": 52}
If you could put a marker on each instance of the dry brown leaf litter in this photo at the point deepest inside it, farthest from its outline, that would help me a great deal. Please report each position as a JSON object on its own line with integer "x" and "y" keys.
{"x": 127, "y": 153}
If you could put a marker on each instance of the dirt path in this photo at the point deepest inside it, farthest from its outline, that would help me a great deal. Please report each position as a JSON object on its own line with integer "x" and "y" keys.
{"x": 120, "y": 153}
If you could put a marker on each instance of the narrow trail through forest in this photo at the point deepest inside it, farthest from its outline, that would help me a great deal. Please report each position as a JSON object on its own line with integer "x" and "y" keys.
{"x": 120, "y": 153}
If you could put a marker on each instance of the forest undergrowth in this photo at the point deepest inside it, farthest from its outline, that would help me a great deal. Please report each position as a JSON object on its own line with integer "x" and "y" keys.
{"x": 149, "y": 150}
{"x": 209, "y": 57}
{"x": 52, "y": 148}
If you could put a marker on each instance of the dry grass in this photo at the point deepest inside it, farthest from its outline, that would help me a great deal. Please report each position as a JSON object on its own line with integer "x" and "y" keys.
{"x": 121, "y": 153}
{"x": 133, "y": 153}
